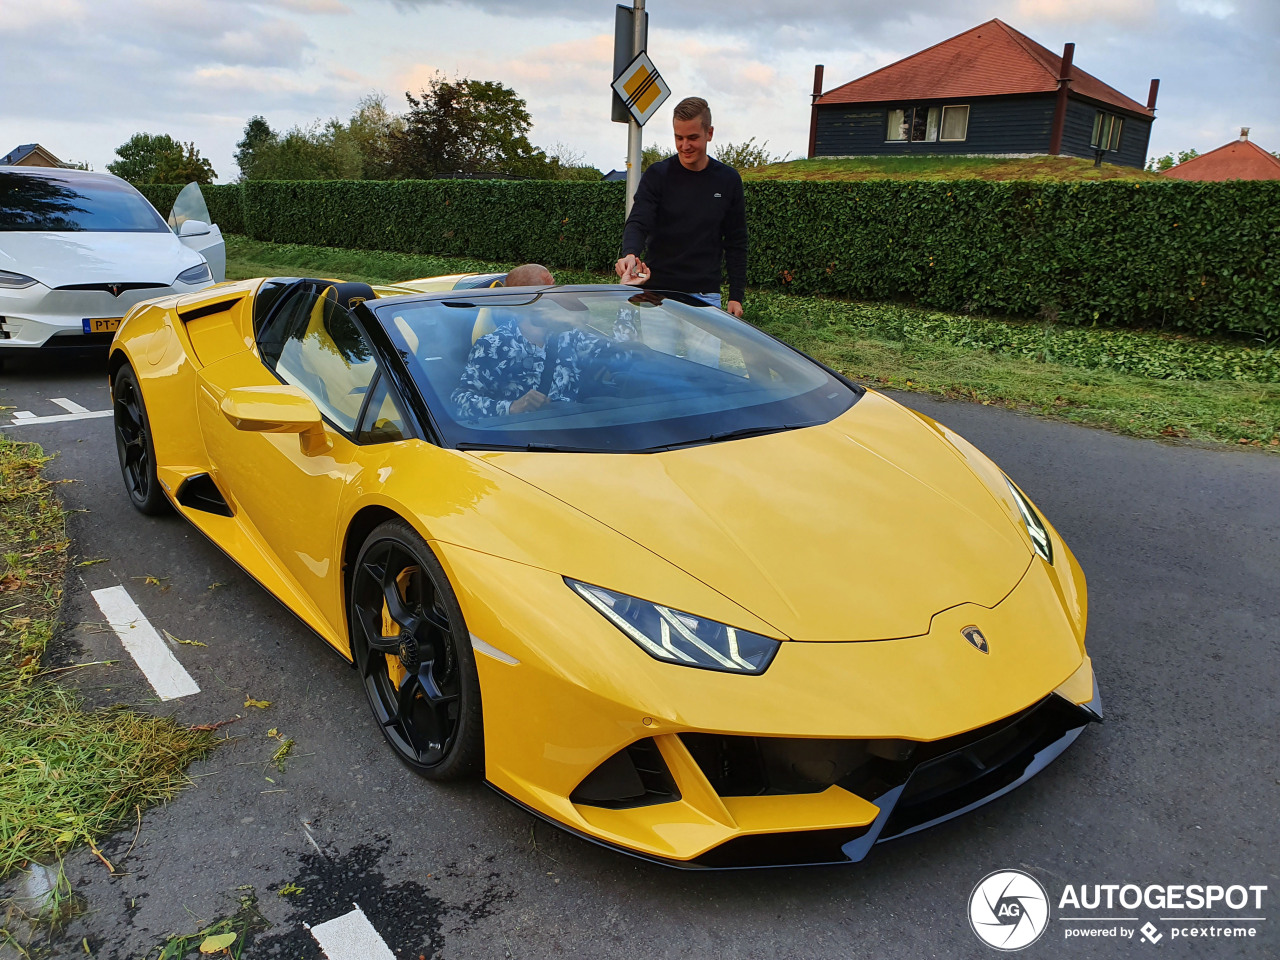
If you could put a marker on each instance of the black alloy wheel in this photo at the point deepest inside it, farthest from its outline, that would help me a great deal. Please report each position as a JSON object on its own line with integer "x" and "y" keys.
{"x": 134, "y": 445}
{"x": 414, "y": 655}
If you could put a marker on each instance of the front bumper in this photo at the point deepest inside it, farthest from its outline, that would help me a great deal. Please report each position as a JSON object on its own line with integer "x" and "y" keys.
{"x": 874, "y": 740}
{"x": 940, "y": 781}
{"x": 37, "y": 316}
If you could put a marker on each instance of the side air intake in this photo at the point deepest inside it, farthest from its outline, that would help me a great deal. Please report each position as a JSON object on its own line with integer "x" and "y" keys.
{"x": 201, "y": 493}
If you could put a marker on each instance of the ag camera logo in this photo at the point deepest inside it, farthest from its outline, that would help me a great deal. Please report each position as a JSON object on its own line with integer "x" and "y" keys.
{"x": 1008, "y": 910}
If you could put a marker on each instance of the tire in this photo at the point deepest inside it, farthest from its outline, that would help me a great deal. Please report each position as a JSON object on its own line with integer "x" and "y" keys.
{"x": 413, "y": 653}
{"x": 134, "y": 445}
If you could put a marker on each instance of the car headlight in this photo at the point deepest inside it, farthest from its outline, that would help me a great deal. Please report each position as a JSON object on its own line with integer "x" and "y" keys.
{"x": 682, "y": 638}
{"x": 1035, "y": 526}
{"x": 15, "y": 281}
{"x": 196, "y": 274}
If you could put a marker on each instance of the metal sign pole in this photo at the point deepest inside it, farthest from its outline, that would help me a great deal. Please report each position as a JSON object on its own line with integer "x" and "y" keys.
{"x": 635, "y": 132}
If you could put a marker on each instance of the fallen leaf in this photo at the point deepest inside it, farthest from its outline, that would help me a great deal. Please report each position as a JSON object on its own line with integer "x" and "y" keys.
{"x": 217, "y": 942}
{"x": 90, "y": 563}
{"x": 260, "y": 704}
{"x": 273, "y": 732}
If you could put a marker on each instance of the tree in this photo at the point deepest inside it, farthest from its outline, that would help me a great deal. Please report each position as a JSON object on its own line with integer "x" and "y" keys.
{"x": 140, "y": 155}
{"x": 257, "y": 136}
{"x": 183, "y": 165}
{"x": 652, "y": 154}
{"x": 465, "y": 126}
{"x": 740, "y": 156}
{"x": 1168, "y": 161}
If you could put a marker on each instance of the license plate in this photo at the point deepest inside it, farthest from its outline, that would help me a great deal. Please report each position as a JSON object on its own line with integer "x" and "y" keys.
{"x": 109, "y": 325}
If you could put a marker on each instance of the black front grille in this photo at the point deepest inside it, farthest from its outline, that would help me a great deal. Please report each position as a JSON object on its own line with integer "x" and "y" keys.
{"x": 981, "y": 766}
{"x": 635, "y": 776}
{"x": 940, "y": 775}
{"x": 115, "y": 289}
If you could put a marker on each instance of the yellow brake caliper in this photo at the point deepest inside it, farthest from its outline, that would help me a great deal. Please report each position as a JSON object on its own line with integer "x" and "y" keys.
{"x": 395, "y": 669}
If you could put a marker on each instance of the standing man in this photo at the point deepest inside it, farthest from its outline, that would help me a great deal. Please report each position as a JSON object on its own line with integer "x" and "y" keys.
{"x": 689, "y": 216}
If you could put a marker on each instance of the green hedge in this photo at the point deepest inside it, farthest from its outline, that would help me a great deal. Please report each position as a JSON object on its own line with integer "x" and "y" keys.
{"x": 1199, "y": 257}
{"x": 558, "y": 223}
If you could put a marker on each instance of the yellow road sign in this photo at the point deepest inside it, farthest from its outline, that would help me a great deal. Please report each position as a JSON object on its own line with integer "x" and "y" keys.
{"x": 642, "y": 88}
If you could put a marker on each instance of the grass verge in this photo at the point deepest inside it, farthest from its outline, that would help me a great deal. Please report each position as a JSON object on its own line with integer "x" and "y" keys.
{"x": 67, "y": 776}
{"x": 1141, "y": 384}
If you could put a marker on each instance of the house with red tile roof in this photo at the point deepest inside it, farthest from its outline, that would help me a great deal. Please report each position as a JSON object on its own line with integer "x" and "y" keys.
{"x": 1238, "y": 160}
{"x": 990, "y": 91}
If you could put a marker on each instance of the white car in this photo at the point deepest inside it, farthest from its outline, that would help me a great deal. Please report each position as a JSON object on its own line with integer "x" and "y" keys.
{"x": 79, "y": 249}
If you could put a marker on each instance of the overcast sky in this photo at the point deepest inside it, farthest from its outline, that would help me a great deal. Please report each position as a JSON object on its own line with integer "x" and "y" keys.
{"x": 81, "y": 76}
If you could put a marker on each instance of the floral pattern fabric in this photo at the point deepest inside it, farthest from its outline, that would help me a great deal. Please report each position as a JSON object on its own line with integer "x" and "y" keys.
{"x": 505, "y": 365}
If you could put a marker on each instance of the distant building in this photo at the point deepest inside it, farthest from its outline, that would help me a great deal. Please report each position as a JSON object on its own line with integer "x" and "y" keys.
{"x": 30, "y": 155}
{"x": 1238, "y": 160}
{"x": 989, "y": 91}
{"x": 615, "y": 175}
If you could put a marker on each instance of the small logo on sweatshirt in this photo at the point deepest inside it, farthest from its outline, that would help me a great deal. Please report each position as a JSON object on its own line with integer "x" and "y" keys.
{"x": 717, "y": 196}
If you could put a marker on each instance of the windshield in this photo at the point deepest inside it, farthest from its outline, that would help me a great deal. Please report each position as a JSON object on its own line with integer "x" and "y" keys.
{"x": 619, "y": 371}
{"x": 40, "y": 202}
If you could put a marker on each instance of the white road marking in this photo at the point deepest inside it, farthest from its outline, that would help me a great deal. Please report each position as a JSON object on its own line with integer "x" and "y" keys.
{"x": 140, "y": 640}
{"x": 69, "y": 405}
{"x": 23, "y": 417}
{"x": 351, "y": 937}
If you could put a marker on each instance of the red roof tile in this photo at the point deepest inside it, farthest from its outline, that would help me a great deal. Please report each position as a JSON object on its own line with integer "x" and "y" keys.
{"x": 1237, "y": 160}
{"x": 992, "y": 59}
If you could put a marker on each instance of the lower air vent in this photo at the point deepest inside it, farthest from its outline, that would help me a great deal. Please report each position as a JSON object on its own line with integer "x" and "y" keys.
{"x": 755, "y": 766}
{"x": 636, "y": 776}
{"x": 201, "y": 493}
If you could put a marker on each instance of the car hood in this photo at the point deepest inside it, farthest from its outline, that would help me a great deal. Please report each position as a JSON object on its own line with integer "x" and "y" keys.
{"x": 59, "y": 259}
{"x": 860, "y": 529}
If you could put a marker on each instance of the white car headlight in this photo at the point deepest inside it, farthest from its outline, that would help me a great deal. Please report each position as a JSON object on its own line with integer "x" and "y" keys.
{"x": 1035, "y": 526}
{"x": 682, "y": 638}
{"x": 197, "y": 274}
{"x": 15, "y": 281}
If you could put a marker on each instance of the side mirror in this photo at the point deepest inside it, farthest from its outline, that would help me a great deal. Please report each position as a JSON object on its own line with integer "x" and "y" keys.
{"x": 193, "y": 228}
{"x": 277, "y": 409}
{"x": 274, "y": 409}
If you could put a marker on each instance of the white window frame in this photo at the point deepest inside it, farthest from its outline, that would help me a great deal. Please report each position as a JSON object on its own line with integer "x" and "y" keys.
{"x": 942, "y": 125}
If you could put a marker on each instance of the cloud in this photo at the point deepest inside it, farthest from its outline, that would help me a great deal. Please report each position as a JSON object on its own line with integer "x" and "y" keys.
{"x": 86, "y": 74}
{"x": 1130, "y": 12}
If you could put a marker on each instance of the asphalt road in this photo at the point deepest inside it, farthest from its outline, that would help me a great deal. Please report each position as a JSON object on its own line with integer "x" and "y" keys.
{"x": 1180, "y": 786}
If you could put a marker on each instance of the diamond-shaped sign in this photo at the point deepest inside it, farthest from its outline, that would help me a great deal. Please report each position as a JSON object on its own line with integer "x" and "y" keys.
{"x": 642, "y": 88}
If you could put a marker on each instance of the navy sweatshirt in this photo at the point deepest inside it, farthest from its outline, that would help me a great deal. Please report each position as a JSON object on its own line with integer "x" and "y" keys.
{"x": 685, "y": 222}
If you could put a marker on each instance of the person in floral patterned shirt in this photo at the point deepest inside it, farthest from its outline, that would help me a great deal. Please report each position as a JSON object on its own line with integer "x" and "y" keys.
{"x": 504, "y": 373}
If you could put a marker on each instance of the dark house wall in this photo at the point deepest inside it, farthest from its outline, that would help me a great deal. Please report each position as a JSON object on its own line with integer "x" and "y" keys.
{"x": 996, "y": 125}
{"x": 1077, "y": 133}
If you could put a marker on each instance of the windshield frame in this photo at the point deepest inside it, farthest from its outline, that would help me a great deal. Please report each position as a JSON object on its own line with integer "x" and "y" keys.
{"x": 708, "y": 427}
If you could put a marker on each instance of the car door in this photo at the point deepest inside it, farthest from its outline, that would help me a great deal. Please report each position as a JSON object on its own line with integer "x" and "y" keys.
{"x": 286, "y": 487}
{"x": 190, "y": 220}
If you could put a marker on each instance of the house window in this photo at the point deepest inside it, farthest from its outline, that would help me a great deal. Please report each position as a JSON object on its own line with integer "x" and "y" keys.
{"x": 918, "y": 124}
{"x": 955, "y": 122}
{"x": 1106, "y": 131}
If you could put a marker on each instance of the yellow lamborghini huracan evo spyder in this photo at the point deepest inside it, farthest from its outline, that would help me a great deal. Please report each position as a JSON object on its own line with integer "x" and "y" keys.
{"x": 654, "y": 575}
